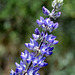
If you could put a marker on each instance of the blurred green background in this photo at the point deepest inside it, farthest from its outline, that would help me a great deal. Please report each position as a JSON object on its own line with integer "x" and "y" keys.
{"x": 18, "y": 22}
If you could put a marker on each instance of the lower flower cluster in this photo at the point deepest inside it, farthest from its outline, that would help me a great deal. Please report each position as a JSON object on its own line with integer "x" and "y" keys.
{"x": 29, "y": 65}
{"x": 32, "y": 62}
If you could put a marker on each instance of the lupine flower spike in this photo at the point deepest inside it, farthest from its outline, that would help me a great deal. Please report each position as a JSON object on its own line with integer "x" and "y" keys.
{"x": 32, "y": 62}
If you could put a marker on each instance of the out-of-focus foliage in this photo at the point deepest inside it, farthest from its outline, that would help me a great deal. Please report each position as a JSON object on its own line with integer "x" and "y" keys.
{"x": 17, "y": 23}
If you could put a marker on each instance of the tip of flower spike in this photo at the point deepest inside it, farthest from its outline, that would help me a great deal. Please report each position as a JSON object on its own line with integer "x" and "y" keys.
{"x": 59, "y": 1}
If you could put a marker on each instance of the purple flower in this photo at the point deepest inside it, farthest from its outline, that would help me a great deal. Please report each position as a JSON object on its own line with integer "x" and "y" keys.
{"x": 37, "y": 32}
{"x": 12, "y": 72}
{"x": 56, "y": 15}
{"x": 39, "y": 61}
{"x": 46, "y": 25}
{"x": 50, "y": 38}
{"x": 20, "y": 68}
{"x": 32, "y": 45}
{"x": 46, "y": 50}
{"x": 45, "y": 11}
{"x": 41, "y": 21}
{"x": 33, "y": 71}
{"x": 55, "y": 26}
{"x": 27, "y": 57}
